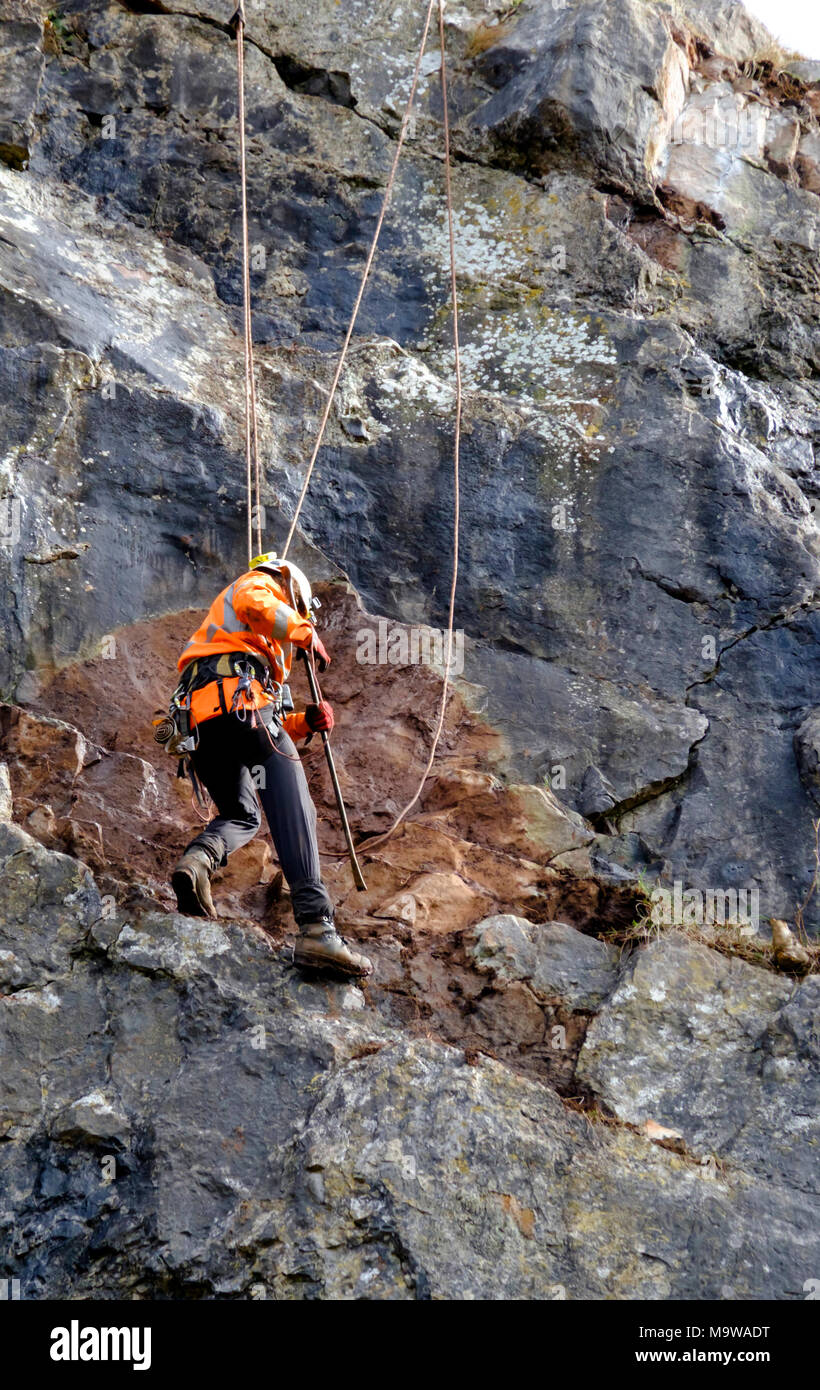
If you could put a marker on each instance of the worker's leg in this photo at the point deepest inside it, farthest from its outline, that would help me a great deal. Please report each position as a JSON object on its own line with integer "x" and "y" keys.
{"x": 283, "y": 790}
{"x": 291, "y": 815}
{"x": 220, "y": 765}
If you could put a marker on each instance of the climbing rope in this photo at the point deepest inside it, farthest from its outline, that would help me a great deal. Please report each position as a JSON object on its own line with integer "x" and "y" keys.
{"x": 379, "y": 839}
{"x": 251, "y": 433}
{"x": 252, "y": 475}
{"x": 365, "y": 273}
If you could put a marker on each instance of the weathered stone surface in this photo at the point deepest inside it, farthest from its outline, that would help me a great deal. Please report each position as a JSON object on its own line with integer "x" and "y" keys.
{"x": 90, "y": 1118}
{"x": 723, "y": 1051}
{"x": 555, "y": 960}
{"x": 807, "y": 753}
{"x": 23, "y": 61}
{"x": 575, "y": 81}
{"x": 6, "y": 797}
{"x": 47, "y": 904}
{"x": 526, "y": 1210}
{"x": 200, "y": 1121}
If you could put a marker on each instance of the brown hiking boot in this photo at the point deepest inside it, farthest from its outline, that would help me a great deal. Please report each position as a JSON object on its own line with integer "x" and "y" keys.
{"x": 191, "y": 881}
{"x": 320, "y": 947}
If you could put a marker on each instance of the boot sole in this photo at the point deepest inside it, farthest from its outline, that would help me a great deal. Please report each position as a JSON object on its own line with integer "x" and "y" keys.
{"x": 311, "y": 962}
{"x": 188, "y": 904}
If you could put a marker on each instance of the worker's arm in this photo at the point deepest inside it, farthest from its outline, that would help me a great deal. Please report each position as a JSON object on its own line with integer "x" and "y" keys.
{"x": 258, "y": 602}
{"x": 316, "y": 719}
{"x": 296, "y": 725}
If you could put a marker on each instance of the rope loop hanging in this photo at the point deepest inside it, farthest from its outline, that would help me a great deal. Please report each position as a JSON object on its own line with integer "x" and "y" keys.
{"x": 380, "y": 839}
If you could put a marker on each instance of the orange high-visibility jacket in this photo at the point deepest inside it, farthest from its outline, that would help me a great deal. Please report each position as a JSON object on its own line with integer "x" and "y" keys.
{"x": 250, "y": 615}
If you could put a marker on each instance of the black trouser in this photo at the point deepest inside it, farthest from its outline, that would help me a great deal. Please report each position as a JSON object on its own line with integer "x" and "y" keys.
{"x": 233, "y": 761}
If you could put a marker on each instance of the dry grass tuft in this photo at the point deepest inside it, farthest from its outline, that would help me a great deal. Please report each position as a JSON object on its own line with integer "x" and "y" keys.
{"x": 731, "y": 939}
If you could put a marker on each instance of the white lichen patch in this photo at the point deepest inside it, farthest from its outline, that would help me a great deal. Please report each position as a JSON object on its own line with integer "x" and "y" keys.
{"x": 551, "y": 368}
{"x": 490, "y": 247}
{"x": 542, "y": 357}
{"x": 408, "y": 380}
{"x": 182, "y": 953}
{"x": 46, "y": 999}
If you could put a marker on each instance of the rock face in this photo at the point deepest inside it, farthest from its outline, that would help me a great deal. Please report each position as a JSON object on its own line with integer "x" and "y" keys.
{"x": 707, "y": 1044}
{"x": 637, "y": 205}
{"x": 183, "y": 1117}
{"x": 553, "y": 959}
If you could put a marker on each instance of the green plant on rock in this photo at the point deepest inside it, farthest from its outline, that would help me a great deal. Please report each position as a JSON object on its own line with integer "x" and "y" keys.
{"x": 58, "y": 30}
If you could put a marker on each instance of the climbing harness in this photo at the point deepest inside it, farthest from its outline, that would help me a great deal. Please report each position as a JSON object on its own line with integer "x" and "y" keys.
{"x": 251, "y": 425}
{"x": 245, "y": 670}
{"x": 177, "y": 730}
{"x": 243, "y": 701}
{"x": 177, "y": 733}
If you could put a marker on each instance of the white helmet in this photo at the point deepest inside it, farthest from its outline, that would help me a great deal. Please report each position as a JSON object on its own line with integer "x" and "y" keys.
{"x": 296, "y": 582}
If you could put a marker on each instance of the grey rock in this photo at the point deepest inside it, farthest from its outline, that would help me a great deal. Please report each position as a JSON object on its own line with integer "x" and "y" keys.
{"x": 807, "y": 753}
{"x": 575, "y": 82}
{"x": 11, "y": 971}
{"x": 354, "y": 427}
{"x": 6, "y": 798}
{"x": 212, "y": 1125}
{"x": 152, "y": 946}
{"x": 555, "y": 960}
{"x": 597, "y": 794}
{"x": 23, "y": 61}
{"x": 92, "y": 1117}
{"x": 728, "y": 26}
{"x": 806, "y": 69}
{"x": 638, "y": 588}
{"x": 52, "y": 890}
{"x": 719, "y": 1049}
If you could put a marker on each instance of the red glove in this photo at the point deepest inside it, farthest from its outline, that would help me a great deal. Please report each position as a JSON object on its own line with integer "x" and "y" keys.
{"x": 319, "y": 718}
{"x": 320, "y": 653}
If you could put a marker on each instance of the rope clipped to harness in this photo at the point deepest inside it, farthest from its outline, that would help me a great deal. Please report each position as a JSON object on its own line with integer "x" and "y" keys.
{"x": 198, "y": 795}
{"x": 244, "y": 707}
{"x": 243, "y": 702}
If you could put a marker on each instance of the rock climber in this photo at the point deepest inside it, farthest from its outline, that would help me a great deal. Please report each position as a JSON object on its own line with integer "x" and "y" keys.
{"x": 236, "y": 706}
